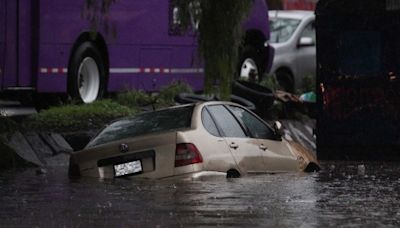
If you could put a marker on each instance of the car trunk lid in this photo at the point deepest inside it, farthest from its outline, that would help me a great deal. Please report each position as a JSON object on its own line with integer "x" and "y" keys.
{"x": 155, "y": 153}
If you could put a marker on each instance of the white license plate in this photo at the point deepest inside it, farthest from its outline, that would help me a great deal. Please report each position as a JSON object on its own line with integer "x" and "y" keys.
{"x": 128, "y": 168}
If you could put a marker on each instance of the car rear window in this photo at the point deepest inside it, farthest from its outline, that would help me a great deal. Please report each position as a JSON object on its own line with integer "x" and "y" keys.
{"x": 145, "y": 123}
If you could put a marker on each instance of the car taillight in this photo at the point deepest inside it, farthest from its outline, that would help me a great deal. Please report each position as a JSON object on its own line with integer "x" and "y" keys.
{"x": 187, "y": 154}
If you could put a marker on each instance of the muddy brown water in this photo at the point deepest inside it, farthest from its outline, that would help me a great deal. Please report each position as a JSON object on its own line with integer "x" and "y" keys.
{"x": 343, "y": 194}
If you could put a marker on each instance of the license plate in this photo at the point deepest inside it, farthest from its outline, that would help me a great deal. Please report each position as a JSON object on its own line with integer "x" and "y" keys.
{"x": 128, "y": 168}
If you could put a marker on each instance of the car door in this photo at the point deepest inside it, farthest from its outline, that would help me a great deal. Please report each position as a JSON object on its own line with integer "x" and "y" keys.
{"x": 275, "y": 152}
{"x": 244, "y": 149}
{"x": 305, "y": 55}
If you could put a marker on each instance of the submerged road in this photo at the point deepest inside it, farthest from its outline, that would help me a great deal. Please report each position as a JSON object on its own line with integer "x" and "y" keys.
{"x": 343, "y": 194}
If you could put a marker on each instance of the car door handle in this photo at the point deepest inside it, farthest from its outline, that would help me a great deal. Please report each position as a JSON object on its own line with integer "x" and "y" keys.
{"x": 234, "y": 145}
{"x": 262, "y": 147}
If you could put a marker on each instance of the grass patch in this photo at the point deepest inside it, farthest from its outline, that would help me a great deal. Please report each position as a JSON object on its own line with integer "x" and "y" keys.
{"x": 134, "y": 98}
{"x": 167, "y": 94}
{"x": 78, "y": 117}
{"x": 308, "y": 84}
{"x": 164, "y": 98}
{"x": 271, "y": 82}
{"x": 81, "y": 117}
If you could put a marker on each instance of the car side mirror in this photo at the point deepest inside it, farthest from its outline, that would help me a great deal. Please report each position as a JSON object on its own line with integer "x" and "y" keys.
{"x": 278, "y": 129}
{"x": 306, "y": 42}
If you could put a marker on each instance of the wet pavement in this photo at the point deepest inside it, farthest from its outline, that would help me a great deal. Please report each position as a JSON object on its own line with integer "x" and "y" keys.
{"x": 343, "y": 194}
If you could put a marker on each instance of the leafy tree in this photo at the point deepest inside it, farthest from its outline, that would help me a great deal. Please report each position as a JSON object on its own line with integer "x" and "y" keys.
{"x": 219, "y": 28}
{"x": 220, "y": 34}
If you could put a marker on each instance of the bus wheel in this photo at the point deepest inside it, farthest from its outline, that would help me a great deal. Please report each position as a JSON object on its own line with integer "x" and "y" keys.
{"x": 250, "y": 68}
{"x": 86, "y": 80}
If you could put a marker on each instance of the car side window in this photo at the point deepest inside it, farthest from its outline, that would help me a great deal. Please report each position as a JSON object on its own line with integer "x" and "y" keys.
{"x": 309, "y": 31}
{"x": 229, "y": 126}
{"x": 256, "y": 127}
{"x": 209, "y": 123}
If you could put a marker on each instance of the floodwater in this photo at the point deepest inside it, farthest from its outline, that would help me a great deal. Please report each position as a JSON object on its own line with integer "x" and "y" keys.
{"x": 343, "y": 194}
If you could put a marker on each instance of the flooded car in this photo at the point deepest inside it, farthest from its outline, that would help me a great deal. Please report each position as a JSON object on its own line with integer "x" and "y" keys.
{"x": 190, "y": 140}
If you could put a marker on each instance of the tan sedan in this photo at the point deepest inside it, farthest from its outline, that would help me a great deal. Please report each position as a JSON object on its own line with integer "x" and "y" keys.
{"x": 190, "y": 140}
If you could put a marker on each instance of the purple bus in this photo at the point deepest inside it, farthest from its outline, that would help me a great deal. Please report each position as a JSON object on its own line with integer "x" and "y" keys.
{"x": 48, "y": 46}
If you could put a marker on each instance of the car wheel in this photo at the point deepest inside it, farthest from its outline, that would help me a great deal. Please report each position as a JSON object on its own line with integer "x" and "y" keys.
{"x": 285, "y": 80}
{"x": 232, "y": 173}
{"x": 86, "y": 74}
{"x": 250, "y": 65}
{"x": 261, "y": 96}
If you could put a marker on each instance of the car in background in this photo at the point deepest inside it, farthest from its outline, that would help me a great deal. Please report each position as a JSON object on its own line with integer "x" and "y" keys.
{"x": 194, "y": 139}
{"x": 293, "y": 38}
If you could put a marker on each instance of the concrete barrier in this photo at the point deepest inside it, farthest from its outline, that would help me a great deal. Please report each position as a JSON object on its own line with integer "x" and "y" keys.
{"x": 38, "y": 149}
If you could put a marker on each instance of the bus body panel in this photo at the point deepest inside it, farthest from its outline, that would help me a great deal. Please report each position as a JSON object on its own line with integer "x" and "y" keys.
{"x": 60, "y": 25}
{"x": 2, "y": 39}
{"x": 61, "y": 21}
{"x": 52, "y": 70}
{"x": 141, "y": 43}
{"x": 26, "y": 37}
{"x": 10, "y": 74}
{"x": 143, "y": 52}
{"x": 17, "y": 37}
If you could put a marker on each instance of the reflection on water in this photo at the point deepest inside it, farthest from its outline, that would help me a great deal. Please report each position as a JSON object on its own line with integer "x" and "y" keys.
{"x": 344, "y": 194}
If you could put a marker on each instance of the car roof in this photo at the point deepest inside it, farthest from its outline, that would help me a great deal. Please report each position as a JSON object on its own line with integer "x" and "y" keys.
{"x": 292, "y": 14}
{"x": 200, "y": 103}
{"x": 217, "y": 102}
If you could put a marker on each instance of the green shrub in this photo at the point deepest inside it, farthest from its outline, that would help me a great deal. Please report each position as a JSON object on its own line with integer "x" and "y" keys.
{"x": 164, "y": 98}
{"x": 167, "y": 94}
{"x": 270, "y": 82}
{"x": 134, "y": 98}
{"x": 78, "y": 117}
{"x": 308, "y": 84}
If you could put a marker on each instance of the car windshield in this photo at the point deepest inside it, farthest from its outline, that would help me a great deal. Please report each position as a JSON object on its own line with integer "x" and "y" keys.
{"x": 282, "y": 29}
{"x": 146, "y": 123}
